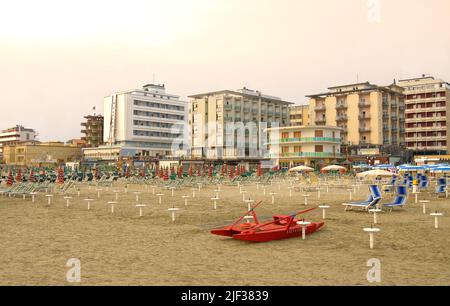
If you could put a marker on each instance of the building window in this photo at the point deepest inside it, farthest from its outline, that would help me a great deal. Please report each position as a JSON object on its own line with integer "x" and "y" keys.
{"x": 319, "y": 149}
{"x": 318, "y": 133}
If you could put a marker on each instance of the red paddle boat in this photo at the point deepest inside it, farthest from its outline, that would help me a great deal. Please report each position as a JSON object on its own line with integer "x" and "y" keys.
{"x": 281, "y": 227}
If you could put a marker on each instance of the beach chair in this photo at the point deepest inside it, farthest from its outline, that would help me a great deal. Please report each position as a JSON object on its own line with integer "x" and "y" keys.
{"x": 400, "y": 199}
{"x": 373, "y": 200}
{"x": 441, "y": 187}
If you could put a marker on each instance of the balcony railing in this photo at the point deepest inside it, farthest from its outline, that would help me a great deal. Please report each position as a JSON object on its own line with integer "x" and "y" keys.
{"x": 342, "y": 118}
{"x": 341, "y": 105}
{"x": 321, "y": 120}
{"x": 364, "y": 117}
{"x": 309, "y": 154}
{"x": 364, "y": 129}
{"x": 363, "y": 104}
{"x": 228, "y": 107}
{"x": 320, "y": 108}
{"x": 311, "y": 139}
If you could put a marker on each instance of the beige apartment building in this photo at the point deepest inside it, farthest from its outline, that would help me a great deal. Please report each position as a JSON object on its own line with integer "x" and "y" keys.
{"x": 305, "y": 145}
{"x": 40, "y": 154}
{"x": 427, "y": 115}
{"x": 368, "y": 114}
{"x": 211, "y": 113}
{"x": 299, "y": 115}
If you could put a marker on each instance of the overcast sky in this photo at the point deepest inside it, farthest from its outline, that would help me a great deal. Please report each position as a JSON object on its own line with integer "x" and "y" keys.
{"x": 60, "y": 58}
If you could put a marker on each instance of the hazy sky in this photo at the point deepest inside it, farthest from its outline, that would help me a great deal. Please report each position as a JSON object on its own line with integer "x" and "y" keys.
{"x": 60, "y": 58}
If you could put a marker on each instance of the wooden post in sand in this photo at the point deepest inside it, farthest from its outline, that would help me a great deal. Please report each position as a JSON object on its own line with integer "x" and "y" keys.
{"x": 140, "y": 206}
{"x": 436, "y": 216}
{"x": 67, "y": 201}
{"x": 49, "y": 199}
{"x": 173, "y": 212}
{"x": 112, "y": 203}
{"x": 324, "y": 208}
{"x": 215, "y": 202}
{"x": 304, "y": 225}
{"x": 372, "y": 232}
{"x": 88, "y": 203}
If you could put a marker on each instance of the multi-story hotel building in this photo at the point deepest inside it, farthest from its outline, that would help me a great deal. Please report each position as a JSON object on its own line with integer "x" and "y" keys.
{"x": 305, "y": 145}
{"x": 211, "y": 113}
{"x": 40, "y": 154}
{"x": 427, "y": 114}
{"x": 299, "y": 115}
{"x": 93, "y": 130}
{"x": 143, "y": 122}
{"x": 16, "y": 135}
{"x": 367, "y": 113}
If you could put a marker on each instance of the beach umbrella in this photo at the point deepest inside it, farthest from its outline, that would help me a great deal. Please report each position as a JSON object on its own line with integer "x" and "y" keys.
{"x": 411, "y": 168}
{"x": 199, "y": 171}
{"x": 301, "y": 169}
{"x": 191, "y": 171}
{"x": 237, "y": 171}
{"x": 31, "y": 179}
{"x": 376, "y": 173}
{"x": 210, "y": 172}
{"x": 10, "y": 180}
{"x": 441, "y": 169}
{"x": 231, "y": 173}
{"x": 333, "y": 168}
{"x": 19, "y": 175}
{"x": 384, "y": 167}
{"x": 60, "y": 178}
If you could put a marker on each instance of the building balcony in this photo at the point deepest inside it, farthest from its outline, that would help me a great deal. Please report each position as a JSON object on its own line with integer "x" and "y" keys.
{"x": 341, "y": 106}
{"x": 364, "y": 129}
{"x": 320, "y": 108}
{"x": 340, "y": 118}
{"x": 363, "y": 117}
{"x": 246, "y": 109}
{"x": 254, "y": 111}
{"x": 311, "y": 139}
{"x": 363, "y": 104}
{"x": 321, "y": 120}
{"x": 228, "y": 107}
{"x": 308, "y": 154}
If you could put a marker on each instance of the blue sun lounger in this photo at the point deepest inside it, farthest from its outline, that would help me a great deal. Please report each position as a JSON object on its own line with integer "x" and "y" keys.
{"x": 400, "y": 199}
{"x": 372, "y": 201}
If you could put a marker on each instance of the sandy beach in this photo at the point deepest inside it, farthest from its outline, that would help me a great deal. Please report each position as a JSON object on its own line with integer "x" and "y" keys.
{"x": 124, "y": 249}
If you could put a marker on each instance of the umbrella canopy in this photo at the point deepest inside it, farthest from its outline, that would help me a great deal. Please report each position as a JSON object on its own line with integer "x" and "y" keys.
{"x": 301, "y": 169}
{"x": 376, "y": 173}
{"x": 411, "y": 168}
{"x": 333, "y": 168}
{"x": 441, "y": 169}
{"x": 387, "y": 166}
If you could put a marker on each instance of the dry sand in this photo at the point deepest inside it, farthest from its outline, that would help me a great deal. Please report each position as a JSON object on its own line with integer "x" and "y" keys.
{"x": 122, "y": 249}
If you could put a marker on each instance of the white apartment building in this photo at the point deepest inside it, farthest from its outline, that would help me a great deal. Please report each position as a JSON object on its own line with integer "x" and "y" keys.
{"x": 251, "y": 111}
{"x": 142, "y": 122}
{"x": 311, "y": 145}
{"x": 15, "y": 135}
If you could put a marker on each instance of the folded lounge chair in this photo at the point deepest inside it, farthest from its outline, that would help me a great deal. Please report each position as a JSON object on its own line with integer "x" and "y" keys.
{"x": 374, "y": 199}
{"x": 400, "y": 200}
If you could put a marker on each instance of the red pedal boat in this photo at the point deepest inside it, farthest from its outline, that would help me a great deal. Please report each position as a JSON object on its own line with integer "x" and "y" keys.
{"x": 281, "y": 227}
